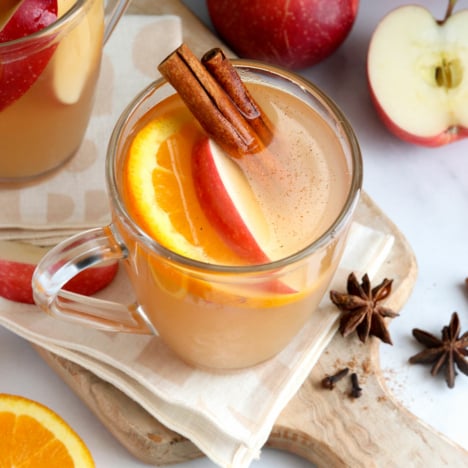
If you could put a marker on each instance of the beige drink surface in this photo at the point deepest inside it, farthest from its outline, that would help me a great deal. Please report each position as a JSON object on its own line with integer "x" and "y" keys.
{"x": 305, "y": 194}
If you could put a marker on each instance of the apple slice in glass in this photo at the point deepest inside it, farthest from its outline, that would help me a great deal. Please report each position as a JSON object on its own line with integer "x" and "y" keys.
{"x": 76, "y": 53}
{"x": 229, "y": 203}
{"x": 17, "y": 264}
{"x": 19, "y": 74}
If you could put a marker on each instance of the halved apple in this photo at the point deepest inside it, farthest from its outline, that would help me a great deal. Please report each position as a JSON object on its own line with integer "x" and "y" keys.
{"x": 418, "y": 75}
{"x": 18, "y": 261}
{"x": 228, "y": 201}
{"x": 77, "y": 53}
{"x": 19, "y": 74}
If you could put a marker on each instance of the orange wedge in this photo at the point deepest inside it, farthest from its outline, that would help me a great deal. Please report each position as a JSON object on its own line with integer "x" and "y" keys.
{"x": 32, "y": 435}
{"x": 160, "y": 190}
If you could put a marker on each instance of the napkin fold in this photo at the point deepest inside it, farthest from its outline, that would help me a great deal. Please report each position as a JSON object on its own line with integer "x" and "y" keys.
{"x": 74, "y": 198}
{"x": 229, "y": 416}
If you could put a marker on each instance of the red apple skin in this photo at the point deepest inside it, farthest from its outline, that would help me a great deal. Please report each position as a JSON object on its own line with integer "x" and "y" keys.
{"x": 219, "y": 208}
{"x": 291, "y": 33}
{"x": 18, "y": 76}
{"x": 448, "y": 136}
{"x": 16, "y": 277}
{"x": 15, "y": 281}
{"x": 222, "y": 213}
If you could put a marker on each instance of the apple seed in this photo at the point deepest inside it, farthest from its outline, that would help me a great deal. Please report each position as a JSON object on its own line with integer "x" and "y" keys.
{"x": 449, "y": 74}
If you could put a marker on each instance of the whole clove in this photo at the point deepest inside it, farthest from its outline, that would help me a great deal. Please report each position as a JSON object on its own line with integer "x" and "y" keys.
{"x": 356, "y": 390}
{"x": 330, "y": 380}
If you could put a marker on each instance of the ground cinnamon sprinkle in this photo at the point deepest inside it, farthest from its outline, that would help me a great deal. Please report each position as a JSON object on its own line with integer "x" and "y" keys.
{"x": 352, "y": 363}
{"x": 366, "y": 366}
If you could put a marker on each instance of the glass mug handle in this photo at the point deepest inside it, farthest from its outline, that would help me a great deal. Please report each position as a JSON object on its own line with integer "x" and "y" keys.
{"x": 113, "y": 11}
{"x": 63, "y": 262}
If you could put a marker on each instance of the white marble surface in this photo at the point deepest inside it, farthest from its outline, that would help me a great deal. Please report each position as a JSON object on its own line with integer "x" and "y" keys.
{"x": 424, "y": 191}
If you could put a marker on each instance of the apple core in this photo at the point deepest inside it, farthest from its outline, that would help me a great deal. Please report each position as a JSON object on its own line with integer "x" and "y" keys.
{"x": 449, "y": 74}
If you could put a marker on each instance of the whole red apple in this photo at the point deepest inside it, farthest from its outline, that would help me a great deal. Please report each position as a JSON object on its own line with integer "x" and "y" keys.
{"x": 417, "y": 72}
{"x": 290, "y": 33}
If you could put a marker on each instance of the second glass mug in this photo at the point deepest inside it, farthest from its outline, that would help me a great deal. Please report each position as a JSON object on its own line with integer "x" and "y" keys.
{"x": 49, "y": 90}
{"x": 211, "y": 316}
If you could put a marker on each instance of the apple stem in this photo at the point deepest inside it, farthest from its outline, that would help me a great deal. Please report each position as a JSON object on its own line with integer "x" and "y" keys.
{"x": 449, "y": 11}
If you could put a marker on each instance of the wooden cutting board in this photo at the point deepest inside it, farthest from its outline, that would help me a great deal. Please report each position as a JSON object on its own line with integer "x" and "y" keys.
{"x": 325, "y": 427}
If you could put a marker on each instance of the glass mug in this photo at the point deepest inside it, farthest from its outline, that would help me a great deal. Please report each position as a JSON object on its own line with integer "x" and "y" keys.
{"x": 212, "y": 316}
{"x": 49, "y": 79}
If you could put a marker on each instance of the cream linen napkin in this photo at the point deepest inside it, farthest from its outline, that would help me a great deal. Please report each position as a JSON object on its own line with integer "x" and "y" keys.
{"x": 75, "y": 197}
{"x": 229, "y": 416}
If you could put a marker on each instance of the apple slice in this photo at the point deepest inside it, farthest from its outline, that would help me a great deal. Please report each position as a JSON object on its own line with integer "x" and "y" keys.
{"x": 18, "y": 75}
{"x": 17, "y": 264}
{"x": 229, "y": 203}
{"x": 418, "y": 75}
{"x": 76, "y": 53}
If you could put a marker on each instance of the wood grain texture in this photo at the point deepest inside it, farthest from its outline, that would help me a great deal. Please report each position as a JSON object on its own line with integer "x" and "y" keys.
{"x": 325, "y": 427}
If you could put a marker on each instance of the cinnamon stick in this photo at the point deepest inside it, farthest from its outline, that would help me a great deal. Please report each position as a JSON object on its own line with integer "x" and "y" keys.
{"x": 209, "y": 103}
{"x": 226, "y": 75}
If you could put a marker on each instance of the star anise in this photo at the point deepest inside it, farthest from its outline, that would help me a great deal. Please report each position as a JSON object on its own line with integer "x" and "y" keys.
{"x": 361, "y": 310}
{"x": 448, "y": 352}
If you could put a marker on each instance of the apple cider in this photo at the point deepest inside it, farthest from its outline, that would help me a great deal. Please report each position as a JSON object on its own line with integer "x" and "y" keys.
{"x": 42, "y": 125}
{"x": 229, "y": 312}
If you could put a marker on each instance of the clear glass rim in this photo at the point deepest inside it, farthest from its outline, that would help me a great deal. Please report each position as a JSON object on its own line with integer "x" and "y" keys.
{"x": 337, "y": 226}
{"x": 52, "y": 30}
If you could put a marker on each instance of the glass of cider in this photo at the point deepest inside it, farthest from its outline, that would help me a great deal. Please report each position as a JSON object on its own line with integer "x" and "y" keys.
{"x": 48, "y": 76}
{"x": 212, "y": 305}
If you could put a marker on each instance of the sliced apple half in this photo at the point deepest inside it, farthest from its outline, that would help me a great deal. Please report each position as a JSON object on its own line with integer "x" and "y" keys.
{"x": 418, "y": 75}
{"x": 18, "y": 262}
{"x": 228, "y": 201}
{"x": 76, "y": 53}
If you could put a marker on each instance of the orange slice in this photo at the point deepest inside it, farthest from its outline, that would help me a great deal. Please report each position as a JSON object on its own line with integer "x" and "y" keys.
{"x": 32, "y": 435}
{"x": 160, "y": 189}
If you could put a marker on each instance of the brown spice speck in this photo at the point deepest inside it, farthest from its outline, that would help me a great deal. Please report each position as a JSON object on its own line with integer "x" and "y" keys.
{"x": 366, "y": 366}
